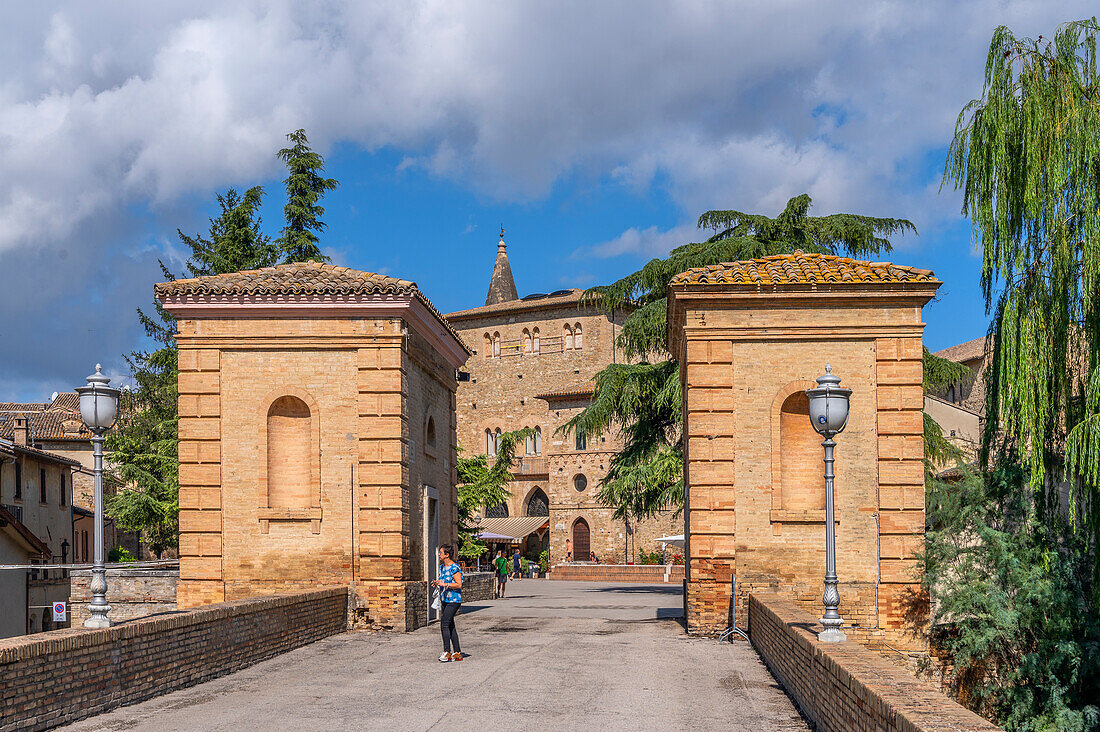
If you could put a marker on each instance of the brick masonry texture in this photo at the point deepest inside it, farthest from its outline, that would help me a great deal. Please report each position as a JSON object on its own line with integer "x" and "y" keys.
{"x": 54, "y": 678}
{"x": 647, "y": 574}
{"x": 478, "y": 586}
{"x": 844, "y": 686}
{"x": 754, "y": 498}
{"x": 132, "y": 593}
{"x": 374, "y": 400}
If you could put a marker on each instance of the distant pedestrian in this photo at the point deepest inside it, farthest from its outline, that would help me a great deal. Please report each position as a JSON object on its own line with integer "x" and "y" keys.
{"x": 450, "y": 585}
{"x": 501, "y": 565}
{"x": 594, "y": 560}
{"x": 516, "y": 564}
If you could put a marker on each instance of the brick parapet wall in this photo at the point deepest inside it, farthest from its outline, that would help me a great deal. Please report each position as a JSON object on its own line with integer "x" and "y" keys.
{"x": 132, "y": 593}
{"x": 845, "y": 686}
{"x": 645, "y": 573}
{"x": 478, "y": 586}
{"x": 54, "y": 678}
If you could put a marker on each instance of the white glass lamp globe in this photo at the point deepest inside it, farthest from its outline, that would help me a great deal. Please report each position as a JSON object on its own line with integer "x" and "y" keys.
{"x": 98, "y": 401}
{"x": 828, "y": 404}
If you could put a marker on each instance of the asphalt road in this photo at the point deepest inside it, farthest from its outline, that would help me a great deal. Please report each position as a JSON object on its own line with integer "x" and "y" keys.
{"x": 553, "y": 655}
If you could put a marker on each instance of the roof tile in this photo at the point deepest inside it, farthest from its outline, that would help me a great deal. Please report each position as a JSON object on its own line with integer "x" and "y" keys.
{"x": 801, "y": 268}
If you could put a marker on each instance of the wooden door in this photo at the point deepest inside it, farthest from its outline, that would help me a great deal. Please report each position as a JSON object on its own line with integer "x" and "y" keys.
{"x": 582, "y": 548}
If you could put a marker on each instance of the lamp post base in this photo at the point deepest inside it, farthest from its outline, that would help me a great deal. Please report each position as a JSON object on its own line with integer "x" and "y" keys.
{"x": 97, "y": 622}
{"x": 831, "y": 634}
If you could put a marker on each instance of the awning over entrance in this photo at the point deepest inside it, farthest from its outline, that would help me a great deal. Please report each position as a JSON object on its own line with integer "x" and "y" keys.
{"x": 675, "y": 540}
{"x": 516, "y": 527}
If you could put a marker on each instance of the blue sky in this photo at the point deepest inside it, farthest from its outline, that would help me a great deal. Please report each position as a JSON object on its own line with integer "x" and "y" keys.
{"x": 596, "y": 133}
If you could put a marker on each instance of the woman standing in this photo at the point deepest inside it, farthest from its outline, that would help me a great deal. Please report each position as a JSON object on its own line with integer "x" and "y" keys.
{"x": 450, "y": 585}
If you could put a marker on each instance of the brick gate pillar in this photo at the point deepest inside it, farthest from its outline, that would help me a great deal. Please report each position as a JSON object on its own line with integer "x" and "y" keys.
{"x": 750, "y": 338}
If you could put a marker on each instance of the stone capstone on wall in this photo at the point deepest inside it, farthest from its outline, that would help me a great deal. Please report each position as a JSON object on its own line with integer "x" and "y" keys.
{"x": 50, "y": 679}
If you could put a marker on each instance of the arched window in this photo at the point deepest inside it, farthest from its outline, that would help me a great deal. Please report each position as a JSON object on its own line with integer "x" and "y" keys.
{"x": 799, "y": 456}
{"x": 530, "y": 444}
{"x": 496, "y": 344}
{"x": 577, "y": 337}
{"x": 488, "y": 346}
{"x": 535, "y": 346}
{"x": 526, "y": 341}
{"x": 289, "y": 454}
{"x": 429, "y": 432}
{"x": 490, "y": 444}
{"x": 496, "y": 441}
{"x": 498, "y": 511}
{"x": 567, "y": 336}
{"x": 582, "y": 547}
{"x": 581, "y": 438}
{"x": 538, "y": 504}
{"x": 538, "y": 440}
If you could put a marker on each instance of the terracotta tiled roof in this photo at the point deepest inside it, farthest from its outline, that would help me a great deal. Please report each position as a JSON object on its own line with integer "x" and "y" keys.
{"x": 964, "y": 351}
{"x": 801, "y": 268}
{"x": 9, "y": 448}
{"x": 298, "y": 278}
{"x": 585, "y": 390}
{"x": 57, "y": 420}
{"x": 538, "y": 303}
{"x": 25, "y": 536}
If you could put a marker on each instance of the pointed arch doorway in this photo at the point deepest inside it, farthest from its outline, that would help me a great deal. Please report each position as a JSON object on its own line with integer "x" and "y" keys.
{"x": 582, "y": 541}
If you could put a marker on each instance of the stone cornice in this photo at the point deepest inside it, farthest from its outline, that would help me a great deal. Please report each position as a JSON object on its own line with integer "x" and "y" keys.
{"x": 409, "y": 308}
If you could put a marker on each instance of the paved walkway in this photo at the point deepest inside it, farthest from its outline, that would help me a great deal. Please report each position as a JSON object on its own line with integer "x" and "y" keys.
{"x": 553, "y": 655}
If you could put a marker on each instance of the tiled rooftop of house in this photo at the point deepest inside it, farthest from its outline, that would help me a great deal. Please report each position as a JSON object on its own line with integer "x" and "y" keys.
{"x": 801, "y": 268}
{"x": 964, "y": 351}
{"x": 55, "y": 420}
{"x": 576, "y": 391}
{"x": 536, "y": 301}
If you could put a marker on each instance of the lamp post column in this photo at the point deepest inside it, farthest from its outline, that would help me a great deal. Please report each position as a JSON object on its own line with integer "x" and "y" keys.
{"x": 831, "y": 621}
{"x": 98, "y": 608}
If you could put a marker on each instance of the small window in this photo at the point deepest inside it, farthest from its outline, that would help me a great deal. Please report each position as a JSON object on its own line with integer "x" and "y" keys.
{"x": 527, "y": 345}
{"x": 488, "y": 346}
{"x": 496, "y": 441}
{"x": 581, "y": 438}
{"x": 489, "y": 444}
{"x": 18, "y": 479}
{"x": 577, "y": 337}
{"x": 567, "y": 337}
{"x": 430, "y": 432}
{"x": 580, "y": 482}
{"x": 61, "y": 485}
{"x": 42, "y": 486}
{"x": 530, "y": 444}
{"x": 535, "y": 346}
{"x": 496, "y": 345}
{"x": 538, "y": 440}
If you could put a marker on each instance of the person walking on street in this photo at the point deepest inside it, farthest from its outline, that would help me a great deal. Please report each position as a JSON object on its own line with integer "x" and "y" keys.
{"x": 450, "y": 585}
{"x": 516, "y": 564}
{"x": 501, "y": 565}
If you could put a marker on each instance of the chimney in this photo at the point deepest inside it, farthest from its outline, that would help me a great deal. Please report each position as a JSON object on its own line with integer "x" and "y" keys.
{"x": 20, "y": 431}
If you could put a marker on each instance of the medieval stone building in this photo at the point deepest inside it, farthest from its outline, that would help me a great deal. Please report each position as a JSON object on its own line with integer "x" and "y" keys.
{"x": 316, "y": 436}
{"x": 534, "y": 363}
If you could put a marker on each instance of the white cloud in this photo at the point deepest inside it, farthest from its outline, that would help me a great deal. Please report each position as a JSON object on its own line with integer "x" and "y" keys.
{"x": 107, "y": 109}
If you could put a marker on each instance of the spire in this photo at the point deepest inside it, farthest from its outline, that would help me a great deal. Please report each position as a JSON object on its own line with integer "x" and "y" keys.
{"x": 502, "y": 287}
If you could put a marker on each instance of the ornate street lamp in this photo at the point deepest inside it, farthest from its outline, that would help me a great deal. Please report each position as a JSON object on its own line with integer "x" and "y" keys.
{"x": 829, "y": 415}
{"x": 98, "y": 408}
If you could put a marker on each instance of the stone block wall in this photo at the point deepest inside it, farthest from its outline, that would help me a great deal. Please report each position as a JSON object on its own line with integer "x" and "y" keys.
{"x": 54, "y": 678}
{"x": 845, "y": 686}
{"x": 132, "y": 593}
{"x": 478, "y": 586}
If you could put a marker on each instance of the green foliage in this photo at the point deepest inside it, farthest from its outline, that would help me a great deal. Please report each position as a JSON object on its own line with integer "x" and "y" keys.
{"x": 482, "y": 484}
{"x": 143, "y": 449}
{"x": 643, "y": 399}
{"x": 939, "y": 374}
{"x": 1014, "y": 606}
{"x": 120, "y": 554}
{"x": 544, "y": 561}
{"x": 304, "y": 189}
{"x": 1027, "y": 158}
{"x": 645, "y": 557}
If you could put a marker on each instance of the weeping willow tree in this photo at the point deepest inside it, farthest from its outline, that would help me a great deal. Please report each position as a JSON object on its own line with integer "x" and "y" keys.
{"x": 1026, "y": 156}
{"x": 643, "y": 398}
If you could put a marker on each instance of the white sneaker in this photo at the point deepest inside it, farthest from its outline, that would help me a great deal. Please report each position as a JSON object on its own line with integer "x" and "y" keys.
{"x": 445, "y": 657}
